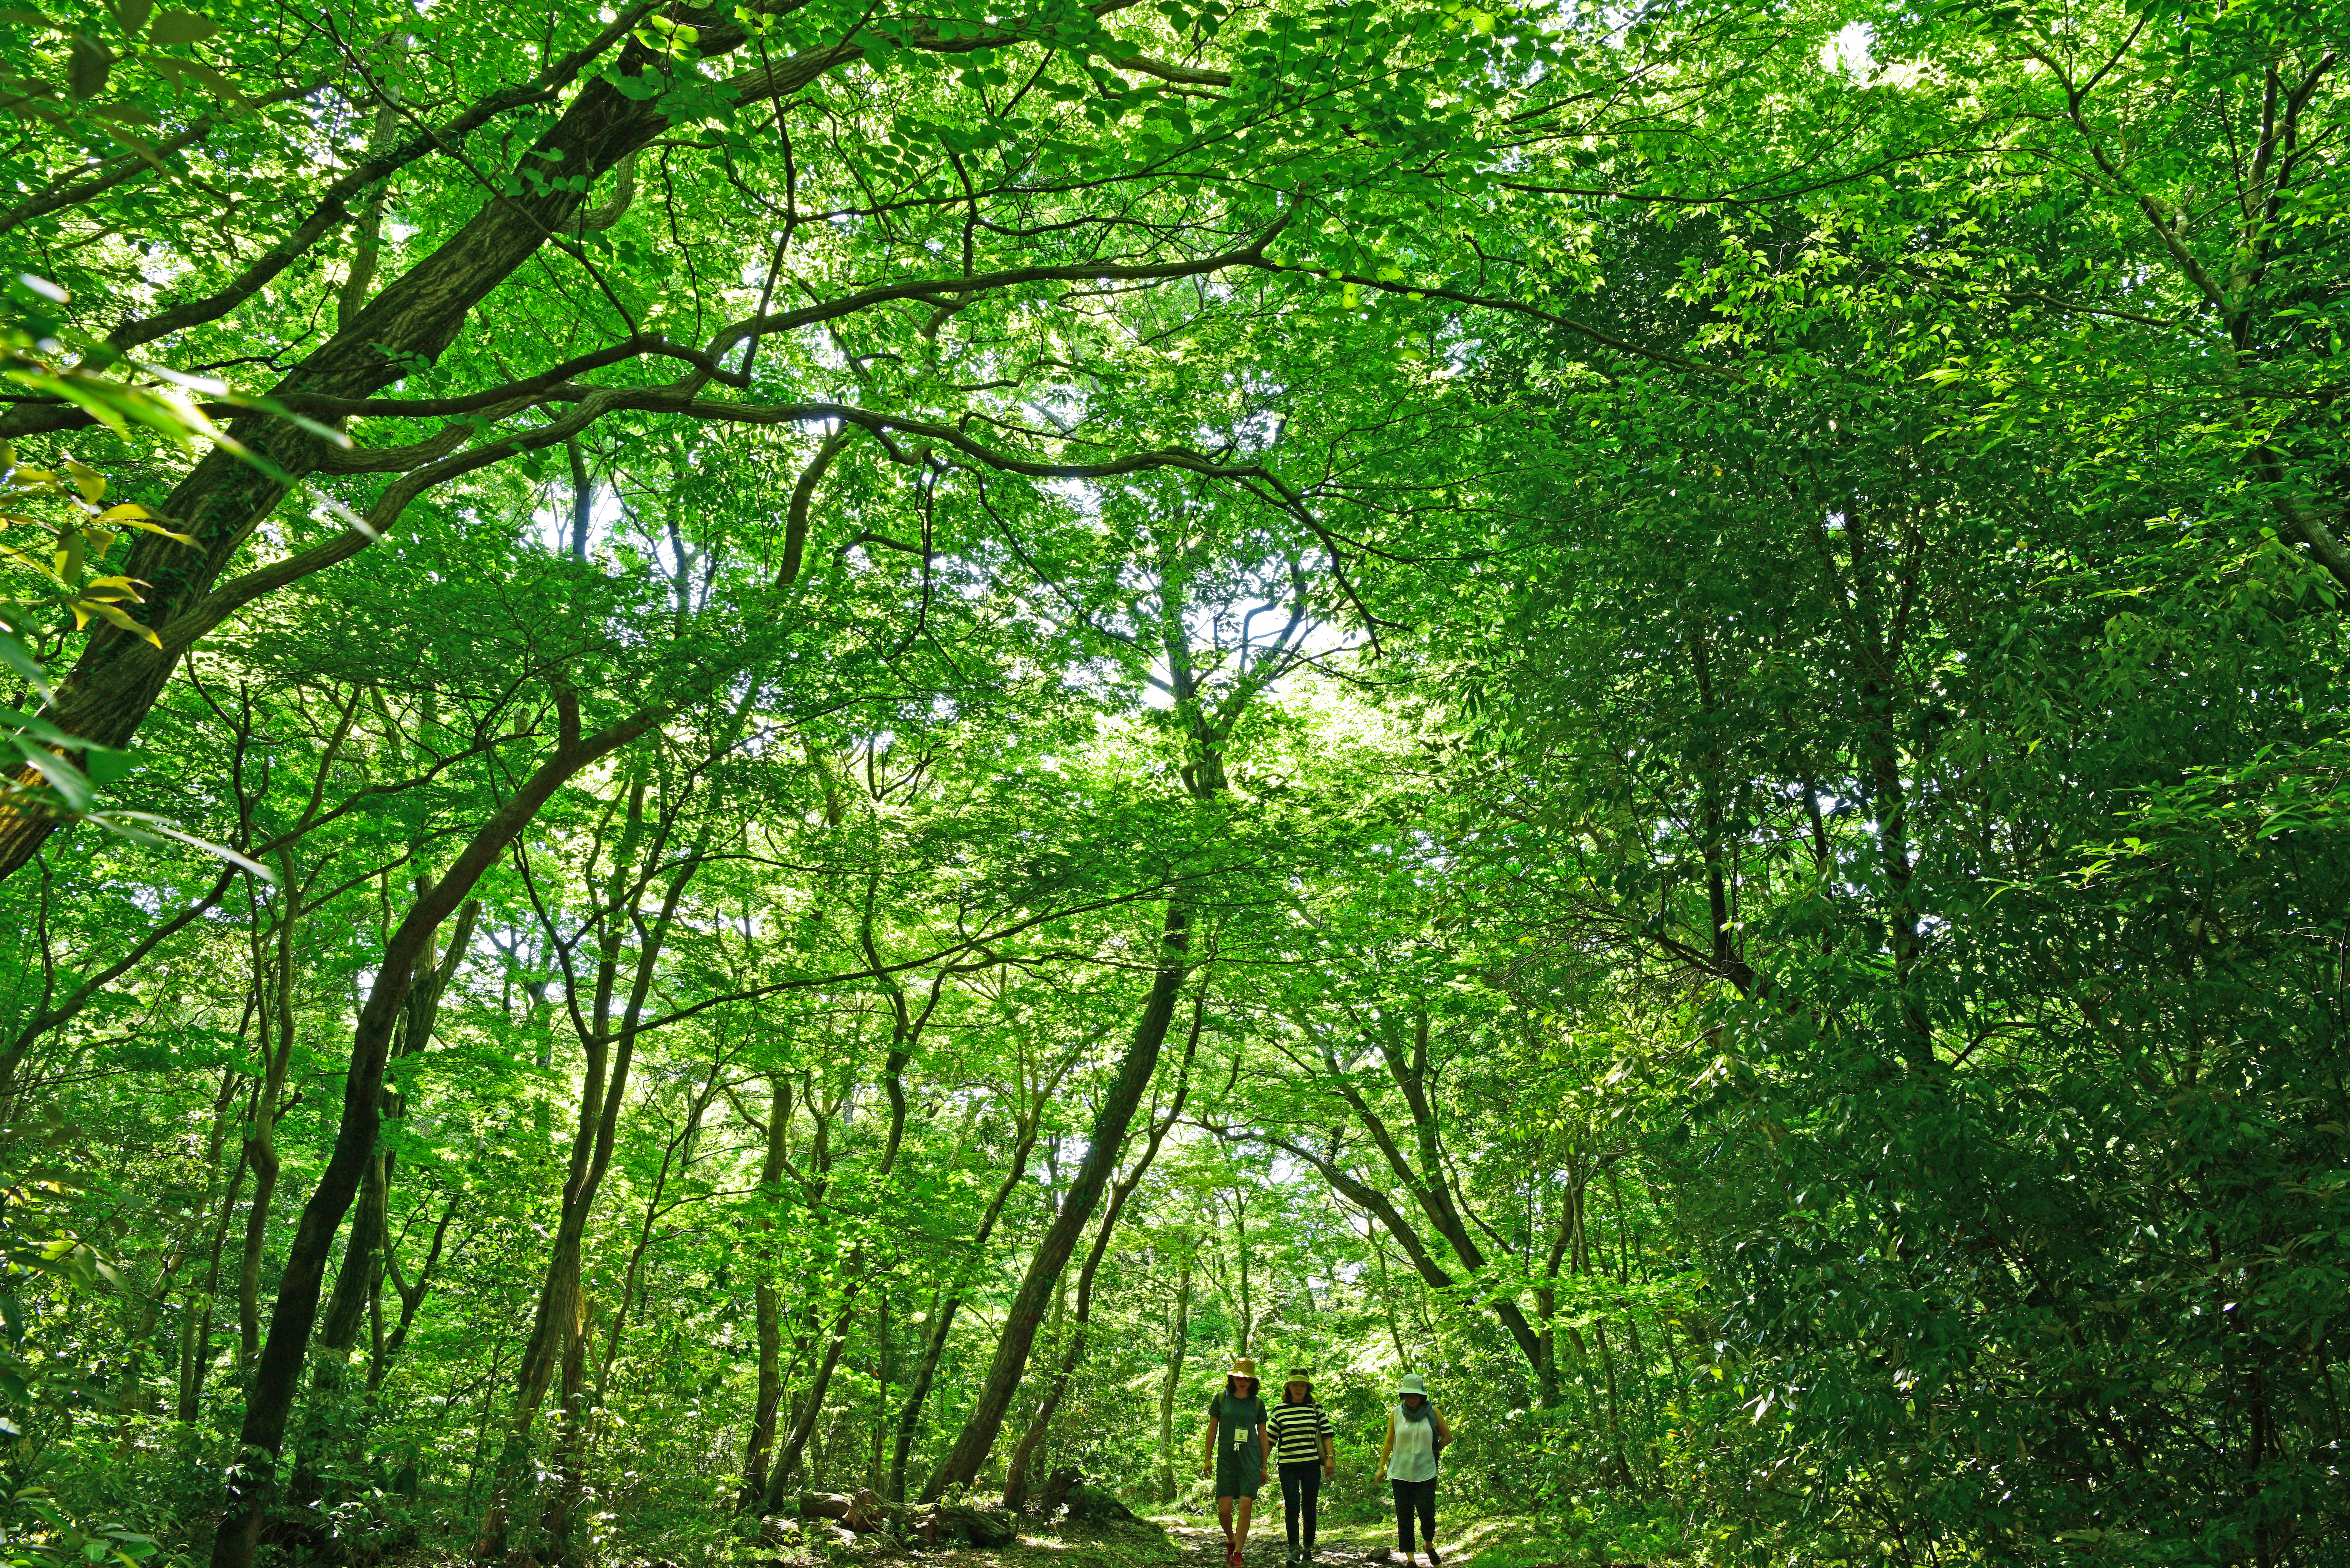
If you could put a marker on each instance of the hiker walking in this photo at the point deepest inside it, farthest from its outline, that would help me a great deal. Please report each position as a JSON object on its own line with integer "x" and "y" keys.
{"x": 1234, "y": 1454}
{"x": 1301, "y": 1441}
{"x": 1416, "y": 1432}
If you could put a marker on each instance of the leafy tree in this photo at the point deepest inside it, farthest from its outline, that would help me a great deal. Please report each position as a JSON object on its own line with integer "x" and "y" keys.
{"x": 837, "y": 739}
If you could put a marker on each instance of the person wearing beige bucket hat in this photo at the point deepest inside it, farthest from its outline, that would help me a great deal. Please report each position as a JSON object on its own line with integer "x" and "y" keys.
{"x": 1417, "y": 1433}
{"x": 1234, "y": 1453}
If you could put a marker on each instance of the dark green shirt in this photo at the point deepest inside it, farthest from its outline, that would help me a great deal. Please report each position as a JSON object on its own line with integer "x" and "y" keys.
{"x": 1238, "y": 1423}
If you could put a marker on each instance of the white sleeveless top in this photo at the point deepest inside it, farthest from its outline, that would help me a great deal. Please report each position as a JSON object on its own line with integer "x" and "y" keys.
{"x": 1413, "y": 1459}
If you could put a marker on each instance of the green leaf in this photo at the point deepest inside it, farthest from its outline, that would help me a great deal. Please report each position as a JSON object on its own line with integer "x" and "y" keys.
{"x": 194, "y": 73}
{"x": 181, "y": 28}
{"x": 70, "y": 783}
{"x": 145, "y": 827}
{"x": 20, "y": 661}
{"x": 107, "y": 764}
{"x": 86, "y": 66}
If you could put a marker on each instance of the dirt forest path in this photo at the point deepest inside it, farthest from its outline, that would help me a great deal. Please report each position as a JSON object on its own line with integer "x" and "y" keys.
{"x": 1202, "y": 1545}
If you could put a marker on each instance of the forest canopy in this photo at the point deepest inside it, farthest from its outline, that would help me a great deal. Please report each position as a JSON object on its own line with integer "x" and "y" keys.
{"x": 763, "y": 753}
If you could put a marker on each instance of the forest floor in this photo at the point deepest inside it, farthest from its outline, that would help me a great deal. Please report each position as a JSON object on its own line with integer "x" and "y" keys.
{"x": 1488, "y": 1542}
{"x": 1196, "y": 1541}
{"x": 1187, "y": 1542}
{"x": 1339, "y": 1545}
{"x": 1192, "y": 1541}
{"x": 1492, "y": 1542}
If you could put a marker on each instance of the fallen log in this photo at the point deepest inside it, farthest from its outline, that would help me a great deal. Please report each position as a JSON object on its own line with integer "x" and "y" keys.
{"x": 862, "y": 1513}
{"x": 963, "y": 1524}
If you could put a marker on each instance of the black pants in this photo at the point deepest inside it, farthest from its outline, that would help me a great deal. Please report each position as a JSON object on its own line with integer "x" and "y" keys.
{"x": 1413, "y": 1497}
{"x": 1301, "y": 1500}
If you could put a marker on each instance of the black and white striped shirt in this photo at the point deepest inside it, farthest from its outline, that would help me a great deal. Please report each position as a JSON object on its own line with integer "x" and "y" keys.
{"x": 1297, "y": 1433}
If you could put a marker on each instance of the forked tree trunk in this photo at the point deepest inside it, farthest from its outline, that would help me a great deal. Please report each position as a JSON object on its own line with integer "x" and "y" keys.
{"x": 412, "y": 1297}
{"x": 277, "y": 1372}
{"x": 596, "y": 1135}
{"x": 1104, "y": 1142}
{"x": 906, "y": 1031}
{"x": 581, "y": 1400}
{"x": 1032, "y": 1442}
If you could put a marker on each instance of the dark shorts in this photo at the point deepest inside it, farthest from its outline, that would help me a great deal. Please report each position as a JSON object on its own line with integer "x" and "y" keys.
{"x": 1239, "y": 1472}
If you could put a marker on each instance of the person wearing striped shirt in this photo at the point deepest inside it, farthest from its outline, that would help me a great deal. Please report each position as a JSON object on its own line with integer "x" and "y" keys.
{"x": 1299, "y": 1431}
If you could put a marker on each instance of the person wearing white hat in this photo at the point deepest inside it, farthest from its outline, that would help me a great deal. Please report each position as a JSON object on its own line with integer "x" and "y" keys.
{"x": 1417, "y": 1433}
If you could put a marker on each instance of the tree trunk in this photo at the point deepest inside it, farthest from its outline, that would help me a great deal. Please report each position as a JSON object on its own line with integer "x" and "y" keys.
{"x": 597, "y": 1134}
{"x": 554, "y": 1520}
{"x": 905, "y": 1032}
{"x": 361, "y": 1278}
{"x": 1876, "y": 634}
{"x": 338, "y": 1327}
{"x": 1178, "y": 1341}
{"x": 949, "y": 1301}
{"x": 412, "y": 1297}
{"x": 679, "y": 1156}
{"x": 1387, "y": 1294}
{"x": 1103, "y": 1145}
{"x": 1032, "y": 1441}
{"x": 810, "y": 1407}
{"x": 117, "y": 678}
{"x": 873, "y": 1475}
{"x": 768, "y": 1304}
{"x": 582, "y": 1398}
{"x": 262, "y": 1159}
{"x": 1709, "y": 765}
{"x": 196, "y": 1328}
{"x": 277, "y": 1371}
{"x": 275, "y": 1015}
{"x": 918, "y": 1394}
{"x": 140, "y": 1339}
{"x": 1428, "y": 1181}
{"x": 375, "y": 1328}
{"x": 1247, "y": 1314}
{"x": 1615, "y": 1410}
